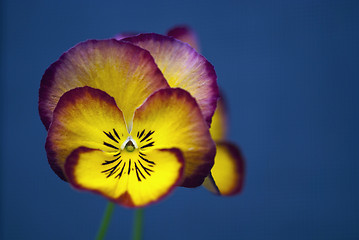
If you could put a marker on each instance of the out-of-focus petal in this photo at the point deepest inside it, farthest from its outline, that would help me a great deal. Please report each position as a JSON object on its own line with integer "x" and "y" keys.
{"x": 124, "y": 71}
{"x": 185, "y": 34}
{"x": 218, "y": 128}
{"x": 228, "y": 170}
{"x": 125, "y": 179}
{"x": 184, "y": 68}
{"x": 84, "y": 117}
{"x": 171, "y": 118}
{"x": 123, "y": 35}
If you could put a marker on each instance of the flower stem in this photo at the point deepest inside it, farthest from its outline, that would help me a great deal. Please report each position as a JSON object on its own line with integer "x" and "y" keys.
{"x": 138, "y": 224}
{"x": 105, "y": 221}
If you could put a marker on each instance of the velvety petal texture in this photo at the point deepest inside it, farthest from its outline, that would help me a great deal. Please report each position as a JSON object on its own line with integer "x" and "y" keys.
{"x": 228, "y": 170}
{"x": 84, "y": 117}
{"x": 124, "y": 71}
{"x": 171, "y": 118}
{"x": 185, "y": 34}
{"x": 125, "y": 179}
{"x": 184, "y": 68}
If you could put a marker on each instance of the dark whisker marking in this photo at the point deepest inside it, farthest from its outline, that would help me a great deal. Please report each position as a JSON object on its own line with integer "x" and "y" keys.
{"x": 118, "y": 164}
{"x": 109, "y": 145}
{"x": 120, "y": 174}
{"x": 111, "y": 161}
{"x": 129, "y": 167}
{"x": 138, "y": 133}
{"x": 147, "y": 170}
{"x": 146, "y": 160}
{"x": 116, "y": 134}
{"x": 113, "y": 170}
{"x": 139, "y": 171}
{"x": 143, "y": 131}
{"x": 117, "y": 154}
{"x": 148, "y": 145}
{"x": 109, "y": 134}
{"x": 138, "y": 177}
{"x": 143, "y": 154}
{"x": 148, "y": 139}
{"x": 147, "y": 135}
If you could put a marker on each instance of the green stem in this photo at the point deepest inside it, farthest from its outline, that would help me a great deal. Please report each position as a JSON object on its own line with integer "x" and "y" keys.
{"x": 105, "y": 221}
{"x": 138, "y": 224}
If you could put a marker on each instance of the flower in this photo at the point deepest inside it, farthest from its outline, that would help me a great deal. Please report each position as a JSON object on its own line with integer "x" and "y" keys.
{"x": 228, "y": 171}
{"x": 227, "y": 174}
{"x": 115, "y": 127}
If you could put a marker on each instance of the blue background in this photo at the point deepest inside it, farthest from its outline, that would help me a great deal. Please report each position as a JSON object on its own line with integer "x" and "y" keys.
{"x": 290, "y": 72}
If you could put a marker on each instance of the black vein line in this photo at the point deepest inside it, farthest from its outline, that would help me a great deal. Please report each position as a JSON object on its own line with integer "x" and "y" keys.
{"x": 117, "y": 154}
{"x": 110, "y": 136}
{"x": 129, "y": 167}
{"x": 138, "y": 133}
{"x": 116, "y": 134}
{"x": 113, "y": 170}
{"x": 109, "y": 145}
{"x": 118, "y": 164}
{"x": 146, "y": 169}
{"x": 143, "y": 154}
{"x": 120, "y": 174}
{"x": 139, "y": 171}
{"x": 146, "y": 160}
{"x": 138, "y": 177}
{"x": 148, "y": 145}
{"x": 148, "y": 134}
{"x": 111, "y": 161}
{"x": 143, "y": 131}
{"x": 148, "y": 139}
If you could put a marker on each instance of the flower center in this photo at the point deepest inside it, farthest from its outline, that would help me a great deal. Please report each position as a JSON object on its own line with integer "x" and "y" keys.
{"x": 131, "y": 160}
{"x": 130, "y": 147}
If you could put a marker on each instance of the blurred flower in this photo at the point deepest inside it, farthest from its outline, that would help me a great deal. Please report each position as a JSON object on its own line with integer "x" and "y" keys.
{"x": 228, "y": 170}
{"x": 117, "y": 129}
{"x": 227, "y": 174}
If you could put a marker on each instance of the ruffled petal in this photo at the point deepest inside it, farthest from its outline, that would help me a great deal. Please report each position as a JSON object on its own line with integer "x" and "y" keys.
{"x": 124, "y": 71}
{"x": 185, "y": 34}
{"x": 84, "y": 117}
{"x": 171, "y": 118}
{"x": 218, "y": 128}
{"x": 184, "y": 68}
{"x": 228, "y": 170}
{"x": 125, "y": 179}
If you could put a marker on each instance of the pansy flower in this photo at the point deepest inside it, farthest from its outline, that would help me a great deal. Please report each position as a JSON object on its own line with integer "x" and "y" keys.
{"x": 115, "y": 127}
{"x": 227, "y": 174}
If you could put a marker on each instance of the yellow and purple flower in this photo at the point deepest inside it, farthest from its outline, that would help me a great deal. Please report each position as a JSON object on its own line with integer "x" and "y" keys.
{"x": 129, "y": 119}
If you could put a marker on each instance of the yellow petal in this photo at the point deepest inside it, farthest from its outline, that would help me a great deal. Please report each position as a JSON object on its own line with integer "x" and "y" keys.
{"x": 124, "y": 71}
{"x": 218, "y": 128}
{"x": 228, "y": 170}
{"x": 184, "y": 68}
{"x": 126, "y": 178}
{"x": 84, "y": 117}
{"x": 171, "y": 118}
